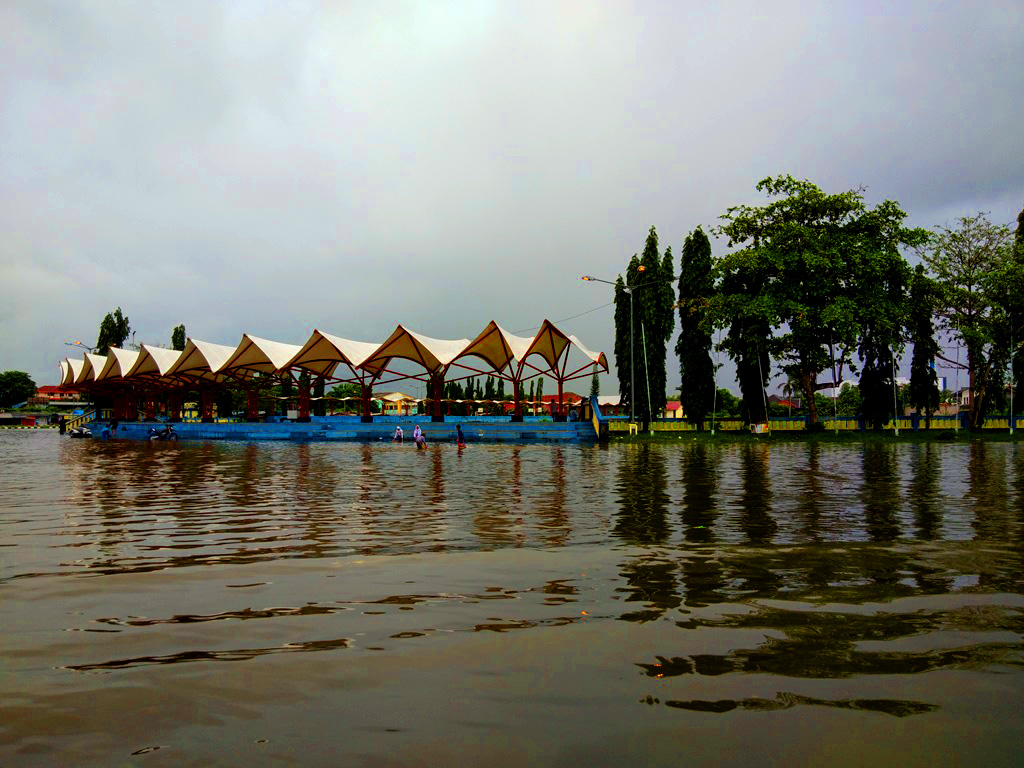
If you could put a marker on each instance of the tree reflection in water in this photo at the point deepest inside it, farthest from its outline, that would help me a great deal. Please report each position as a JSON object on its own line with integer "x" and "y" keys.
{"x": 641, "y": 488}
{"x": 701, "y": 570}
{"x": 880, "y": 491}
{"x": 642, "y": 491}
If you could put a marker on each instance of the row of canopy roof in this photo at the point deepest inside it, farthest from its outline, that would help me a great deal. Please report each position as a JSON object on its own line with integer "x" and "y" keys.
{"x": 335, "y": 358}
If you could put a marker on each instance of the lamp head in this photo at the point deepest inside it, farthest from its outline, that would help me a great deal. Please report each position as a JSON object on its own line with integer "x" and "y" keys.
{"x": 587, "y": 277}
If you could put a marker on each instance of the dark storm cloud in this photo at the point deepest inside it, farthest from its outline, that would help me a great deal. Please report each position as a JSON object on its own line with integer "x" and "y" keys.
{"x": 269, "y": 168}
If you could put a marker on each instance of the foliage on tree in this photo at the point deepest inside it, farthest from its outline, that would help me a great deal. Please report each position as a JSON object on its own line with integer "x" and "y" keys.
{"x": 879, "y": 285}
{"x": 975, "y": 272}
{"x": 749, "y": 337}
{"x": 649, "y": 278}
{"x": 15, "y": 387}
{"x": 114, "y": 331}
{"x": 799, "y": 272}
{"x": 624, "y": 342}
{"x": 696, "y": 289}
{"x": 727, "y": 404}
{"x": 924, "y": 384}
{"x": 849, "y": 401}
{"x": 595, "y": 384}
{"x": 178, "y": 337}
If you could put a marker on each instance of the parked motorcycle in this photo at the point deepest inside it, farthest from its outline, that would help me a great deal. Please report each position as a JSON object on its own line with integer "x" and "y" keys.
{"x": 167, "y": 433}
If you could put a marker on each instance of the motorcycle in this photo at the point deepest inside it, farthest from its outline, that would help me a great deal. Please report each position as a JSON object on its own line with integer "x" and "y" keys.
{"x": 167, "y": 433}
{"x": 79, "y": 432}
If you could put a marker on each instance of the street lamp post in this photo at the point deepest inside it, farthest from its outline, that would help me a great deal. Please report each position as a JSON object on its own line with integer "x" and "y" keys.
{"x": 80, "y": 344}
{"x": 629, "y": 289}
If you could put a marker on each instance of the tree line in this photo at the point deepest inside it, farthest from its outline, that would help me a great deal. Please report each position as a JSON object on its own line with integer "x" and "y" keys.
{"x": 818, "y": 285}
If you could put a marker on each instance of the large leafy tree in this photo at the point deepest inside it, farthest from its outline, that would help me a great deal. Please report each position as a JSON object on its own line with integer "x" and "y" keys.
{"x": 696, "y": 287}
{"x": 879, "y": 285}
{"x": 650, "y": 278}
{"x": 114, "y": 331}
{"x": 1013, "y": 286}
{"x": 15, "y": 387}
{"x": 924, "y": 385}
{"x": 178, "y": 337}
{"x": 796, "y": 272}
{"x": 975, "y": 271}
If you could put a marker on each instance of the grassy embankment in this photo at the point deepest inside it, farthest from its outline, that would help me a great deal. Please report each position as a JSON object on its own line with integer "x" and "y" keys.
{"x": 847, "y": 436}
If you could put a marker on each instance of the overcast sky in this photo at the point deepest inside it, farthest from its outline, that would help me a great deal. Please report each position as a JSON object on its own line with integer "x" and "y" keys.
{"x": 275, "y": 167}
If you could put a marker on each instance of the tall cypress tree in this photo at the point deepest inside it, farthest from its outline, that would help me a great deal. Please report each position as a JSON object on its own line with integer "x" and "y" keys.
{"x": 651, "y": 277}
{"x": 696, "y": 368}
{"x": 178, "y": 337}
{"x": 924, "y": 385}
{"x": 623, "y": 350}
{"x": 114, "y": 331}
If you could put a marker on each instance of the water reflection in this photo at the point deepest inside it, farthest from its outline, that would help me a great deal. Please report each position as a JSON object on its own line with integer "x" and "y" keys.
{"x": 924, "y": 491}
{"x": 700, "y": 484}
{"x": 641, "y": 490}
{"x": 880, "y": 491}
{"x": 757, "y": 521}
{"x": 756, "y": 577}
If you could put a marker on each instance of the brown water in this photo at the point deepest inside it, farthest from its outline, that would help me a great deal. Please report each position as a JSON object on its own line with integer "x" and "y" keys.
{"x": 267, "y": 604}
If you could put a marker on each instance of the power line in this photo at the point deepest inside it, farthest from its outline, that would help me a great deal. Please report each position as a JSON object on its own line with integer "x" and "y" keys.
{"x": 566, "y": 319}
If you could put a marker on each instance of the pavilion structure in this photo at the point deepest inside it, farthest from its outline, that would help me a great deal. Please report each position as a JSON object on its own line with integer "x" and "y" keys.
{"x": 151, "y": 374}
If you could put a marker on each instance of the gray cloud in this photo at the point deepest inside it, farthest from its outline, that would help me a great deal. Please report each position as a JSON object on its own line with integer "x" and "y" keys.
{"x": 267, "y": 168}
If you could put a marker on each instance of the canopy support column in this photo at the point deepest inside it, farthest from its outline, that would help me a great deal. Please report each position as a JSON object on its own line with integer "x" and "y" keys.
{"x": 437, "y": 385}
{"x": 366, "y": 390}
{"x": 174, "y": 407}
{"x": 560, "y": 416}
{"x": 517, "y": 389}
{"x": 303, "y": 402}
{"x": 206, "y": 405}
{"x": 131, "y": 408}
{"x": 150, "y": 406}
{"x": 252, "y": 404}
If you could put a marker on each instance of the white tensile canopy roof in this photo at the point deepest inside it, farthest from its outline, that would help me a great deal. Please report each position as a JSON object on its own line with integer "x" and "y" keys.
{"x": 71, "y": 374}
{"x": 323, "y": 353}
{"x": 597, "y": 357}
{"x": 263, "y": 355}
{"x": 497, "y": 347}
{"x": 201, "y": 360}
{"x": 432, "y": 354}
{"x": 119, "y": 363}
{"x": 65, "y": 369}
{"x": 549, "y": 343}
{"x": 92, "y": 364}
{"x": 154, "y": 361}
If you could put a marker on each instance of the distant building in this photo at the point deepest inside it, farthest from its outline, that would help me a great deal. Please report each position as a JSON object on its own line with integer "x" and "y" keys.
{"x": 397, "y": 404}
{"x": 50, "y": 394}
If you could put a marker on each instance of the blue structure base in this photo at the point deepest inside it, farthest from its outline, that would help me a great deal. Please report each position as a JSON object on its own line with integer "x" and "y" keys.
{"x": 475, "y": 432}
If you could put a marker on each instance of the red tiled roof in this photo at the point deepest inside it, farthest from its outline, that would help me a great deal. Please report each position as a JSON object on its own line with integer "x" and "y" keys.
{"x": 672, "y": 405}
{"x": 51, "y": 390}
